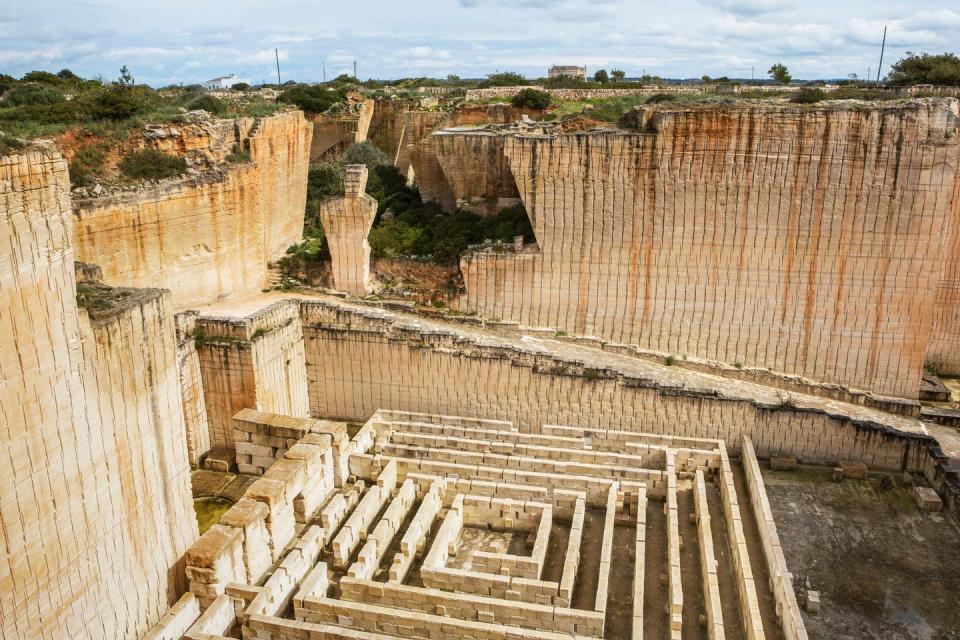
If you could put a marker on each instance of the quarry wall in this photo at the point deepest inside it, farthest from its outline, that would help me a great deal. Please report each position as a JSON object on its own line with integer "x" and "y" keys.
{"x": 802, "y": 240}
{"x": 207, "y": 236}
{"x": 333, "y": 134}
{"x": 96, "y": 505}
{"x": 577, "y": 95}
{"x": 255, "y": 362}
{"x": 943, "y": 354}
{"x": 360, "y": 358}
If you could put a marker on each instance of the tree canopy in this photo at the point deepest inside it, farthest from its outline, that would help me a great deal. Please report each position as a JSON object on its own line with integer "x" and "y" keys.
{"x": 780, "y": 74}
{"x": 924, "y": 68}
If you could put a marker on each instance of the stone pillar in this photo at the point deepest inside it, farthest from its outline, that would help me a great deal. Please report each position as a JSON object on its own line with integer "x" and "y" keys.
{"x": 346, "y": 222}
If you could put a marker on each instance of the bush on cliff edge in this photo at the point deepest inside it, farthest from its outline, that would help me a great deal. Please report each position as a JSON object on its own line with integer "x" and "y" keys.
{"x": 531, "y": 99}
{"x": 151, "y": 164}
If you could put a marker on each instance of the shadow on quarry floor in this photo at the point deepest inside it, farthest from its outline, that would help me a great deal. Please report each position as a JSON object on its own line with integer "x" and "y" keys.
{"x": 885, "y": 570}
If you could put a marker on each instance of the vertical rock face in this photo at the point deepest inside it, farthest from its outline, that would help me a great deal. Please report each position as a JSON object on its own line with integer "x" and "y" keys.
{"x": 476, "y": 169}
{"x": 255, "y": 362}
{"x": 944, "y": 352}
{"x": 346, "y": 222}
{"x": 205, "y": 237}
{"x": 333, "y": 134}
{"x": 96, "y": 506}
{"x": 803, "y": 240}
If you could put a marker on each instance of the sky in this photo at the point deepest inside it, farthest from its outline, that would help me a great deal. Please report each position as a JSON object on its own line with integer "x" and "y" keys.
{"x": 181, "y": 41}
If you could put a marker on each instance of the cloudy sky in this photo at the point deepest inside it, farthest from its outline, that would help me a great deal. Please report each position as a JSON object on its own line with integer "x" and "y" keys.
{"x": 168, "y": 41}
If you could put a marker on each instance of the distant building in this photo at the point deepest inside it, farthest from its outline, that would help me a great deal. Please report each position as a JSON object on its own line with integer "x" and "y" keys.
{"x": 223, "y": 82}
{"x": 558, "y": 71}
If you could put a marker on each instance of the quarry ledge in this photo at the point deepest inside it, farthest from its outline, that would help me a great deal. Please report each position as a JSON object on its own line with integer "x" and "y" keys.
{"x": 562, "y": 358}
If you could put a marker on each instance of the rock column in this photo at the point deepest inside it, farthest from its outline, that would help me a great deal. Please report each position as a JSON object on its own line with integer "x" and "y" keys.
{"x": 347, "y": 221}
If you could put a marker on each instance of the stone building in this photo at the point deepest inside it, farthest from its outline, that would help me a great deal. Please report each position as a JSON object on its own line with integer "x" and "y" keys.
{"x": 567, "y": 71}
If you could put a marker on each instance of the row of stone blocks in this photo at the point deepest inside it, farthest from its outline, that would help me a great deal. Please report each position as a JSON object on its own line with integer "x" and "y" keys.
{"x": 254, "y": 533}
{"x": 261, "y": 438}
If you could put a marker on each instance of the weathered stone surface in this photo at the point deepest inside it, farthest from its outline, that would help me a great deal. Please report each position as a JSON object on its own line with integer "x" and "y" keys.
{"x": 96, "y": 505}
{"x": 346, "y": 223}
{"x": 739, "y": 235}
{"x": 209, "y": 236}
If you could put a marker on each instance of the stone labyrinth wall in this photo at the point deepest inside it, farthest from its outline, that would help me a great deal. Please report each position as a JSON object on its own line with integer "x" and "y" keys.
{"x": 462, "y": 527}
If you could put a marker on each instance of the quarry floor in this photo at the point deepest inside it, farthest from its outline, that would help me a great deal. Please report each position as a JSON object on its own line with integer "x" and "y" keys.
{"x": 884, "y": 569}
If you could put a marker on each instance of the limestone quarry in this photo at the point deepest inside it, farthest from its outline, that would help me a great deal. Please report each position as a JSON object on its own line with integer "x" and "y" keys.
{"x": 709, "y": 395}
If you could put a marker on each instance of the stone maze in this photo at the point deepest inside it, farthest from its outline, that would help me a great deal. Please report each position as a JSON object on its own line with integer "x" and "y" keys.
{"x": 426, "y": 526}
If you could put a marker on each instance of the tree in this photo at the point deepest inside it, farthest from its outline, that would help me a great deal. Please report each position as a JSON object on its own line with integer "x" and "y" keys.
{"x": 240, "y": 86}
{"x": 126, "y": 78}
{"x": 66, "y": 74}
{"x": 453, "y": 78}
{"x": 924, "y": 68}
{"x": 704, "y": 78}
{"x": 532, "y": 99}
{"x": 780, "y": 74}
{"x": 503, "y": 79}
{"x": 601, "y": 76}
{"x": 618, "y": 75}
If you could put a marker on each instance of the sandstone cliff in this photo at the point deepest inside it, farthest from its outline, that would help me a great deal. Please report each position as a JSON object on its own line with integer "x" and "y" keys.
{"x": 943, "y": 354}
{"x": 802, "y": 240}
{"x": 209, "y": 236}
{"x": 96, "y": 508}
{"x": 333, "y": 134}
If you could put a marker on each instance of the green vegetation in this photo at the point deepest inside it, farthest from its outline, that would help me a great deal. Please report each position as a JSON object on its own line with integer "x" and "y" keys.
{"x": 669, "y": 361}
{"x": 808, "y": 95}
{"x": 618, "y": 75}
{"x": 207, "y": 103}
{"x": 151, "y": 164}
{"x": 313, "y": 98}
{"x": 87, "y": 164}
{"x": 240, "y": 86}
{"x": 38, "y": 105}
{"x": 365, "y": 153}
{"x": 601, "y": 76}
{"x": 238, "y": 155}
{"x": 531, "y": 99}
{"x": 9, "y": 144}
{"x": 209, "y": 510}
{"x": 924, "y": 68}
{"x": 780, "y": 74}
{"x": 504, "y": 79}
{"x": 661, "y": 97}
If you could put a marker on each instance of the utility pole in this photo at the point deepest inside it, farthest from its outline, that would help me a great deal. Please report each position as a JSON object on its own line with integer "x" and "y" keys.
{"x": 882, "y": 48}
{"x": 277, "y": 55}
{"x": 355, "y": 70}
{"x": 323, "y": 64}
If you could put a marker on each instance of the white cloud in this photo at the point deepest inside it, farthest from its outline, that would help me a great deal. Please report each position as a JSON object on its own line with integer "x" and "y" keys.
{"x": 186, "y": 41}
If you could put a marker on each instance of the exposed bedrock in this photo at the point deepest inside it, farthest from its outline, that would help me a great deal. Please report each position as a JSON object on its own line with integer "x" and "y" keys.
{"x": 807, "y": 241}
{"x": 334, "y": 133}
{"x": 96, "y": 509}
{"x": 208, "y": 236}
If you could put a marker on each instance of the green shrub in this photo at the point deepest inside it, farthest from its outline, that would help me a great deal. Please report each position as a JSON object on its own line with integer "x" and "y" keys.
{"x": 314, "y": 99}
{"x": 503, "y": 79}
{"x": 238, "y": 155}
{"x": 365, "y": 153}
{"x": 9, "y": 144}
{"x": 151, "y": 164}
{"x": 118, "y": 103}
{"x": 807, "y": 95}
{"x": 393, "y": 238}
{"x": 207, "y": 103}
{"x": 924, "y": 68}
{"x": 531, "y": 99}
{"x": 87, "y": 164}
{"x": 6, "y": 83}
{"x": 661, "y": 97}
{"x": 40, "y": 76}
{"x": 240, "y": 86}
{"x": 32, "y": 93}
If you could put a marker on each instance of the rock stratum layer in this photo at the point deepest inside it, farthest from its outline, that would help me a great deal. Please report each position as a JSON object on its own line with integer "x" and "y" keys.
{"x": 95, "y": 501}
{"x": 210, "y": 236}
{"x": 807, "y": 241}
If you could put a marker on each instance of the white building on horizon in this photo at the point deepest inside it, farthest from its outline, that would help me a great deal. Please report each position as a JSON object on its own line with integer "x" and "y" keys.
{"x": 223, "y": 82}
